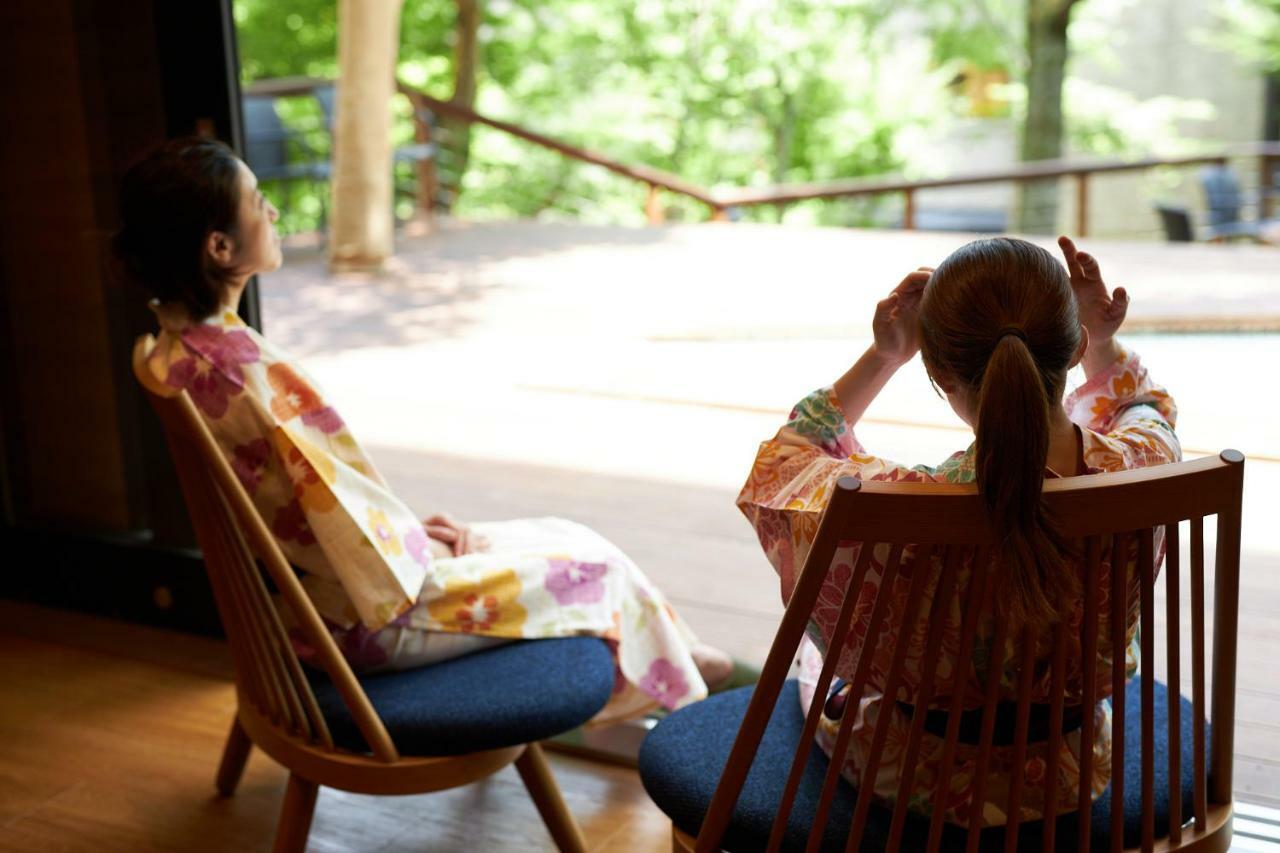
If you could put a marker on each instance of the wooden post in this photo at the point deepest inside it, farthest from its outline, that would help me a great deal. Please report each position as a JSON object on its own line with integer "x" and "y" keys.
{"x": 653, "y": 205}
{"x": 1082, "y": 204}
{"x": 363, "y": 221}
{"x": 1267, "y": 179}
{"x": 908, "y": 210}
{"x": 1226, "y": 629}
{"x": 428, "y": 183}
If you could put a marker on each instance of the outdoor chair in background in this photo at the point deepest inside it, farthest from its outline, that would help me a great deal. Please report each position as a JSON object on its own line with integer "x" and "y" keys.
{"x": 412, "y": 155}
{"x": 407, "y": 732}
{"x": 1167, "y": 763}
{"x": 278, "y": 153}
{"x": 1176, "y": 222}
{"x": 1225, "y": 202}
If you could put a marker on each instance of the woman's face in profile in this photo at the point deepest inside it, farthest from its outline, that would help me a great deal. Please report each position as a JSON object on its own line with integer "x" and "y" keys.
{"x": 257, "y": 243}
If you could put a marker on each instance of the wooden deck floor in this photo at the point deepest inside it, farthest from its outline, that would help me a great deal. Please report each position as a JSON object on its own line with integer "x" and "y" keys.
{"x": 623, "y": 377}
{"x": 112, "y": 732}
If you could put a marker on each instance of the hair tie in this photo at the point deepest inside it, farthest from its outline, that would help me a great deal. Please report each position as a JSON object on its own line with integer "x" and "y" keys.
{"x": 1011, "y": 330}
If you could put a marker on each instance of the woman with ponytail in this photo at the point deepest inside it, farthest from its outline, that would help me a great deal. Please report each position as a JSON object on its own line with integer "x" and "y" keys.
{"x": 998, "y": 325}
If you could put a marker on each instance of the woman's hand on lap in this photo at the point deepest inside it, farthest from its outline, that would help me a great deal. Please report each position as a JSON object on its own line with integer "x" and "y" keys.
{"x": 455, "y": 534}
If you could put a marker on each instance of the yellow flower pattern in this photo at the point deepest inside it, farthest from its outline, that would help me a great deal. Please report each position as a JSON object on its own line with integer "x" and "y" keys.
{"x": 489, "y": 604}
{"x": 382, "y": 534}
{"x": 1127, "y": 422}
{"x": 366, "y": 558}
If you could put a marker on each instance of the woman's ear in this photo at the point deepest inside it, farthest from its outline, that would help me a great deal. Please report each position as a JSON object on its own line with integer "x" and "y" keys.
{"x": 946, "y": 386}
{"x": 1080, "y": 350}
{"x": 220, "y": 248}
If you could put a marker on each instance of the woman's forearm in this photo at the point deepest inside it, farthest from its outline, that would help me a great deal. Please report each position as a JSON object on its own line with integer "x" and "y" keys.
{"x": 861, "y": 383}
{"x": 1100, "y": 356}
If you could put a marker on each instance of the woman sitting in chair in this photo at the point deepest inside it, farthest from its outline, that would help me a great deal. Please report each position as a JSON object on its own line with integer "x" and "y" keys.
{"x": 397, "y": 592}
{"x": 998, "y": 326}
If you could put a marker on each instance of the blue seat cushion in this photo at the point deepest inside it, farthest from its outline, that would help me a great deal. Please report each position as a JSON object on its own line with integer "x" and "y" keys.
{"x": 682, "y": 758}
{"x": 503, "y": 696}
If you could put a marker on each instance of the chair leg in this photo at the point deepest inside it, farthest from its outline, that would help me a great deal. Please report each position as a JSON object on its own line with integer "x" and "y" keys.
{"x": 234, "y": 756}
{"x": 542, "y": 787}
{"x": 295, "y": 815}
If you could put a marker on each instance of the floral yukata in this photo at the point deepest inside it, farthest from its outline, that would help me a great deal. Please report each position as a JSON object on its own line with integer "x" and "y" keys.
{"x": 1127, "y": 422}
{"x": 367, "y": 561}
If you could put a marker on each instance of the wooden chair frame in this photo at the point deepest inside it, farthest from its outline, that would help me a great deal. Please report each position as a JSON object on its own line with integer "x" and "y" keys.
{"x": 950, "y": 522}
{"x": 276, "y": 709}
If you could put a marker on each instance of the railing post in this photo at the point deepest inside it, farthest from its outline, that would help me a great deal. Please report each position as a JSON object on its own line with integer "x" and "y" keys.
{"x": 428, "y": 182}
{"x": 908, "y": 210}
{"x": 653, "y": 205}
{"x": 1266, "y": 185}
{"x": 1082, "y": 204}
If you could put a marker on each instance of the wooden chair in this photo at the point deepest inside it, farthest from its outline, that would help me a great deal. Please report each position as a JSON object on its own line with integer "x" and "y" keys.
{"x": 278, "y": 709}
{"x": 949, "y": 522}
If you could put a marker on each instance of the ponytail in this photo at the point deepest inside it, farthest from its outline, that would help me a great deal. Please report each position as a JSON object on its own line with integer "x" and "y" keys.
{"x": 998, "y": 319}
{"x": 1011, "y": 449}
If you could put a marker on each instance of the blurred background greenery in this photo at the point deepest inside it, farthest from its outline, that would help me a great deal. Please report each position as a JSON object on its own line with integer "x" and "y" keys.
{"x": 737, "y": 93}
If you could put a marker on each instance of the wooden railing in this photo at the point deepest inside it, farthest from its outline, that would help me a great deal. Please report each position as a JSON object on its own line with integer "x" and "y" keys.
{"x": 1081, "y": 171}
{"x": 656, "y": 179}
{"x": 719, "y": 202}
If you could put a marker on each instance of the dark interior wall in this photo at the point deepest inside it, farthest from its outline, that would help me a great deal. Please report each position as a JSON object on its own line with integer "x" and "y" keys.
{"x": 66, "y": 459}
{"x": 85, "y": 85}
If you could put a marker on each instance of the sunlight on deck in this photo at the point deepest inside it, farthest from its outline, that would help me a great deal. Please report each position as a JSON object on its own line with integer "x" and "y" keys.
{"x": 625, "y": 376}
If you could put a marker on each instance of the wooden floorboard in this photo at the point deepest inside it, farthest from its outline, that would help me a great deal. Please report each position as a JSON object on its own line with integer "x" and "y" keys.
{"x": 110, "y": 735}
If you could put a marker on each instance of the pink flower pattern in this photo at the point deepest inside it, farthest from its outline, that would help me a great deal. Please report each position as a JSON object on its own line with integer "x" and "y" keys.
{"x": 249, "y": 461}
{"x": 225, "y": 352}
{"x": 572, "y": 582}
{"x": 327, "y": 420}
{"x": 290, "y": 524}
{"x": 284, "y": 442}
{"x": 665, "y": 682}
{"x": 1132, "y": 426}
{"x": 418, "y": 546}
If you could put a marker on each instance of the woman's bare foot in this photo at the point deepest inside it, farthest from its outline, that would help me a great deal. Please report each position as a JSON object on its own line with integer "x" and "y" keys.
{"x": 715, "y": 666}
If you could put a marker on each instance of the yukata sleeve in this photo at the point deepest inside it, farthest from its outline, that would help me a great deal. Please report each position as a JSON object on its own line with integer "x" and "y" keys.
{"x": 1134, "y": 412}
{"x": 794, "y": 474}
{"x": 374, "y": 545}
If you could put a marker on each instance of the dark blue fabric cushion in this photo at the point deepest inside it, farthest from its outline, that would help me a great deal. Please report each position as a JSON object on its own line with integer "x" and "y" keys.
{"x": 511, "y": 694}
{"x": 681, "y": 761}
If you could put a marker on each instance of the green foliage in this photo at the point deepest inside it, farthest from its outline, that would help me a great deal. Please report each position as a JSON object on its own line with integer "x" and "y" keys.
{"x": 719, "y": 92}
{"x": 1251, "y": 31}
{"x": 984, "y": 34}
{"x": 286, "y": 38}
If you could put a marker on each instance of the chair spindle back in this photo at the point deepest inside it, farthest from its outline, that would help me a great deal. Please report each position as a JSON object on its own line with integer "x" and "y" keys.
{"x": 930, "y": 532}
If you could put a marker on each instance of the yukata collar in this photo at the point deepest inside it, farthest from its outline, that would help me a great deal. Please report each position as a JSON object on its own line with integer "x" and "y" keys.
{"x": 174, "y": 317}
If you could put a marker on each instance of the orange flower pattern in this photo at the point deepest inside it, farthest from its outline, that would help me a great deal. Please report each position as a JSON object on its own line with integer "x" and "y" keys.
{"x": 488, "y": 604}
{"x": 367, "y": 562}
{"x": 1127, "y": 422}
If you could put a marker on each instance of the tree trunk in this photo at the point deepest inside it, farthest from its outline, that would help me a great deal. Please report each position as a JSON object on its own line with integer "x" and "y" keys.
{"x": 1036, "y": 206}
{"x": 362, "y": 232}
{"x": 457, "y": 137}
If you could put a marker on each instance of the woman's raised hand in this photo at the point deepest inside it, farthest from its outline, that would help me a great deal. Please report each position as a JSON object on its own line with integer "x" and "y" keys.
{"x": 896, "y": 325}
{"x": 1101, "y": 312}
